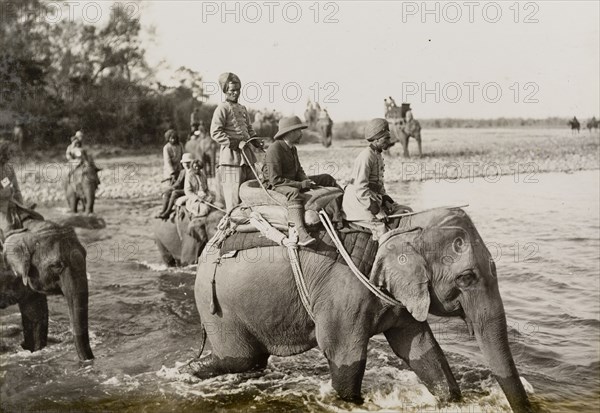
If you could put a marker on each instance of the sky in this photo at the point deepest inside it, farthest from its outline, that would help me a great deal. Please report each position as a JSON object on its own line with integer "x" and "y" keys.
{"x": 464, "y": 59}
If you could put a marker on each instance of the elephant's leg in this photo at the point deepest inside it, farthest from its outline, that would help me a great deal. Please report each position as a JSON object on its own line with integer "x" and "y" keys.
{"x": 347, "y": 357}
{"x": 212, "y": 365}
{"x": 405, "y": 146}
{"x": 72, "y": 201}
{"x": 90, "y": 197}
{"x": 166, "y": 256}
{"x": 233, "y": 351}
{"x": 415, "y": 344}
{"x": 420, "y": 149}
{"x": 34, "y": 315}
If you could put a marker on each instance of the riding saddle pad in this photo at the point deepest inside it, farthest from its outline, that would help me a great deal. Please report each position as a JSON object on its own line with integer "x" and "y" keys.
{"x": 358, "y": 243}
{"x": 255, "y": 199}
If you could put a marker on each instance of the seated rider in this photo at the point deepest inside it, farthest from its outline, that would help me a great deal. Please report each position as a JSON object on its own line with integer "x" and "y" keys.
{"x": 196, "y": 190}
{"x": 365, "y": 201}
{"x": 176, "y": 189}
{"x": 75, "y": 153}
{"x": 284, "y": 174}
{"x": 9, "y": 191}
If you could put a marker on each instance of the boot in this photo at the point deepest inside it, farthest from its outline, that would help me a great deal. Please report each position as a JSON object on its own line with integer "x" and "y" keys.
{"x": 169, "y": 209}
{"x": 296, "y": 215}
{"x": 164, "y": 207}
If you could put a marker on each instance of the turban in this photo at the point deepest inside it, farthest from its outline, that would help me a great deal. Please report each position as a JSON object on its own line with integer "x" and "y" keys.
{"x": 227, "y": 77}
{"x": 169, "y": 134}
{"x": 376, "y": 128}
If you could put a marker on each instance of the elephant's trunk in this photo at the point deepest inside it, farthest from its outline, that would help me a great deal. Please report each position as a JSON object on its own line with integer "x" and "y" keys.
{"x": 75, "y": 290}
{"x": 489, "y": 326}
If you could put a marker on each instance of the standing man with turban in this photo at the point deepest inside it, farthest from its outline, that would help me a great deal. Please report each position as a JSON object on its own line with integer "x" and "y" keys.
{"x": 232, "y": 129}
{"x": 366, "y": 202}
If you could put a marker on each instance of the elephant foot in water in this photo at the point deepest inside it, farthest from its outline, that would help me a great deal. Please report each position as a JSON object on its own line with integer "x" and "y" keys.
{"x": 211, "y": 365}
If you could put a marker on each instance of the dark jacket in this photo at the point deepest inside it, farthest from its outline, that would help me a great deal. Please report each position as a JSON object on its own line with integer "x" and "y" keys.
{"x": 282, "y": 166}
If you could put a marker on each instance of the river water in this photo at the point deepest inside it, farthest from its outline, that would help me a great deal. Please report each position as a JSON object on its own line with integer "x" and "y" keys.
{"x": 543, "y": 232}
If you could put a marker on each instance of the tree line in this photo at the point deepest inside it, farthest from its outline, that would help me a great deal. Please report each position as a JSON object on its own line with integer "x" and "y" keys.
{"x": 58, "y": 77}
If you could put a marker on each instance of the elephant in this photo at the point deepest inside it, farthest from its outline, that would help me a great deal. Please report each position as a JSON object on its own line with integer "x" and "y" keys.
{"x": 310, "y": 115}
{"x": 81, "y": 185}
{"x": 575, "y": 125}
{"x": 265, "y": 128}
{"x": 325, "y": 130}
{"x": 40, "y": 259}
{"x": 207, "y": 150}
{"x": 403, "y": 131}
{"x": 434, "y": 262}
{"x": 179, "y": 245}
{"x": 592, "y": 124}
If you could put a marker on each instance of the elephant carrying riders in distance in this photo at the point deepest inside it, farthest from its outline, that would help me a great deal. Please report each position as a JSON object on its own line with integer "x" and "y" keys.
{"x": 575, "y": 125}
{"x": 435, "y": 262}
{"x": 43, "y": 258}
{"x": 81, "y": 183}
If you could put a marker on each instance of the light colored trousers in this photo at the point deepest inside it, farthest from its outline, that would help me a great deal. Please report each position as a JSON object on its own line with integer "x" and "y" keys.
{"x": 379, "y": 228}
{"x": 231, "y": 178}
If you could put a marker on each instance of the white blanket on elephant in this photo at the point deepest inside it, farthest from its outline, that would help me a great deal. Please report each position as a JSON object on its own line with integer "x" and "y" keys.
{"x": 254, "y": 198}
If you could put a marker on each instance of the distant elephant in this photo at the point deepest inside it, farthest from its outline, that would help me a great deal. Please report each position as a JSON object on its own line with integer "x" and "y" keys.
{"x": 44, "y": 258}
{"x": 265, "y": 128}
{"x": 206, "y": 149}
{"x": 81, "y": 185}
{"x": 177, "y": 245}
{"x": 434, "y": 262}
{"x": 310, "y": 116}
{"x": 592, "y": 124}
{"x": 325, "y": 126}
{"x": 405, "y": 130}
{"x": 575, "y": 125}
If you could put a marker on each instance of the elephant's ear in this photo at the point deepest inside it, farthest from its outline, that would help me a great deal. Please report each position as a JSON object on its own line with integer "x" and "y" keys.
{"x": 18, "y": 255}
{"x": 403, "y": 271}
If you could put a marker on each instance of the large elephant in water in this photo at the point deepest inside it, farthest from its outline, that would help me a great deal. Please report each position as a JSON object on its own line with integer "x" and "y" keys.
{"x": 405, "y": 130}
{"x": 81, "y": 185}
{"x": 434, "y": 262}
{"x": 40, "y": 259}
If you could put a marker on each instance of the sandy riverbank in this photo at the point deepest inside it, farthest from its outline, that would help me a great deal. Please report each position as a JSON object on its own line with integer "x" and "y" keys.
{"x": 448, "y": 154}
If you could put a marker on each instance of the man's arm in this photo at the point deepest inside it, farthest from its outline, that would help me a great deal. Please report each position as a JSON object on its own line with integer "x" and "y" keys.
{"x": 251, "y": 130}
{"x": 217, "y": 128}
{"x": 273, "y": 162}
{"x": 362, "y": 171}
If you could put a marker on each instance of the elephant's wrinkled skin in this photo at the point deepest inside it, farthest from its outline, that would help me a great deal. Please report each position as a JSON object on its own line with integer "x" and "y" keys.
{"x": 46, "y": 258}
{"x": 435, "y": 262}
{"x": 404, "y": 131}
{"x": 82, "y": 186}
{"x": 178, "y": 246}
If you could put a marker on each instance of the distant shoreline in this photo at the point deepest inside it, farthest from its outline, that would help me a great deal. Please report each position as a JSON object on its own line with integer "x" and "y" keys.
{"x": 448, "y": 154}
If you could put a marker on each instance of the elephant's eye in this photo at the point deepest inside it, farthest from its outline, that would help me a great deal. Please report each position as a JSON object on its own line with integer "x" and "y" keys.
{"x": 57, "y": 267}
{"x": 466, "y": 279}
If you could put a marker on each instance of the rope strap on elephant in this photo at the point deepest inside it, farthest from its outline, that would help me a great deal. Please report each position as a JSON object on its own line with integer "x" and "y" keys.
{"x": 291, "y": 242}
{"x": 361, "y": 277}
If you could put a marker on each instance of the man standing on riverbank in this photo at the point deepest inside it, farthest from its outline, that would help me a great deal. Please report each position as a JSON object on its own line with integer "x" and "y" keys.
{"x": 232, "y": 129}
